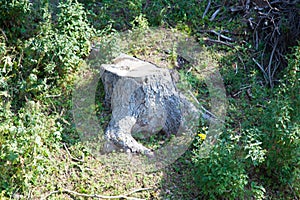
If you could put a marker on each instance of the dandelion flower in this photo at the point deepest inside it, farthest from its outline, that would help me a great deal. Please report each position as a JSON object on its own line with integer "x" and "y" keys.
{"x": 202, "y": 136}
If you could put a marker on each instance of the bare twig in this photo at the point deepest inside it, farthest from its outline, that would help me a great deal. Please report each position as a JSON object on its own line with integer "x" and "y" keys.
{"x": 206, "y": 9}
{"x": 206, "y": 113}
{"x": 269, "y": 4}
{"x": 236, "y": 9}
{"x": 123, "y": 196}
{"x": 52, "y": 95}
{"x": 275, "y": 68}
{"x": 270, "y": 64}
{"x": 215, "y": 14}
{"x": 247, "y": 5}
{"x": 285, "y": 2}
{"x": 251, "y": 22}
{"x": 221, "y": 36}
{"x": 256, "y": 40}
{"x": 262, "y": 70}
{"x": 241, "y": 61}
{"x": 138, "y": 190}
{"x": 241, "y": 90}
{"x": 4, "y": 35}
{"x": 72, "y": 158}
{"x": 291, "y": 188}
{"x": 219, "y": 42}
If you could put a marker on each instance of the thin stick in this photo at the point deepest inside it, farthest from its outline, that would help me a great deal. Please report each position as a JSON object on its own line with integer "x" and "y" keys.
{"x": 125, "y": 196}
{"x": 53, "y": 95}
{"x": 211, "y": 115}
{"x": 221, "y": 36}
{"x": 275, "y": 68}
{"x": 72, "y": 158}
{"x": 220, "y": 42}
{"x": 295, "y": 195}
{"x": 241, "y": 90}
{"x": 206, "y": 9}
{"x": 241, "y": 61}
{"x": 262, "y": 69}
{"x": 3, "y": 33}
{"x": 247, "y": 4}
{"x": 138, "y": 190}
{"x": 270, "y": 63}
{"x": 215, "y": 14}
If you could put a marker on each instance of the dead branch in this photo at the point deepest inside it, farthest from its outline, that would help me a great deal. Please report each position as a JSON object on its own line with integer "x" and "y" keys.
{"x": 270, "y": 64}
{"x": 247, "y": 6}
{"x": 206, "y": 9}
{"x": 215, "y": 14}
{"x": 52, "y": 95}
{"x": 206, "y": 113}
{"x": 4, "y": 35}
{"x": 241, "y": 90}
{"x": 72, "y": 158}
{"x": 275, "y": 24}
{"x": 221, "y": 36}
{"x": 262, "y": 70}
{"x": 294, "y": 193}
{"x": 219, "y": 42}
{"x": 123, "y": 196}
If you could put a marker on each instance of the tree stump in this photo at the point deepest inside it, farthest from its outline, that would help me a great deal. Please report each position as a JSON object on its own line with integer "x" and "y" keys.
{"x": 144, "y": 100}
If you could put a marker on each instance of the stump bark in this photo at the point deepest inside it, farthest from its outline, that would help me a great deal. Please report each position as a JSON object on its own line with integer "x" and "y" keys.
{"x": 144, "y": 100}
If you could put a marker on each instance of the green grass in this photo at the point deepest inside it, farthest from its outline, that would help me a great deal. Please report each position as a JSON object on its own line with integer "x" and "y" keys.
{"x": 42, "y": 63}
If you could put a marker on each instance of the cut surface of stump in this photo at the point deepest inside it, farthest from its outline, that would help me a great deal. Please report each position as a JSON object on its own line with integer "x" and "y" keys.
{"x": 144, "y": 100}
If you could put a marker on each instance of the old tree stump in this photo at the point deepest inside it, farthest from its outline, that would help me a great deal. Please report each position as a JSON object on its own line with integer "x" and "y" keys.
{"x": 144, "y": 100}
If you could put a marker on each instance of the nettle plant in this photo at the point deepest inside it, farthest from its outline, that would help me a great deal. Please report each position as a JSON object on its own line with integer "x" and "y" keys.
{"x": 15, "y": 16}
{"x": 45, "y": 55}
{"x": 61, "y": 44}
{"x": 28, "y": 138}
{"x": 261, "y": 155}
{"x": 282, "y": 130}
{"x": 223, "y": 172}
{"x": 34, "y": 64}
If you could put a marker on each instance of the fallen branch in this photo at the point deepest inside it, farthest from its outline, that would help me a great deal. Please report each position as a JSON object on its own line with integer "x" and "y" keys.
{"x": 262, "y": 70}
{"x": 294, "y": 193}
{"x": 219, "y": 42}
{"x": 206, "y": 9}
{"x": 52, "y": 95}
{"x": 270, "y": 64}
{"x": 205, "y": 113}
{"x": 220, "y": 35}
{"x": 125, "y": 196}
{"x": 241, "y": 90}
{"x": 4, "y": 35}
{"x": 247, "y": 6}
{"x": 215, "y": 14}
{"x": 72, "y": 158}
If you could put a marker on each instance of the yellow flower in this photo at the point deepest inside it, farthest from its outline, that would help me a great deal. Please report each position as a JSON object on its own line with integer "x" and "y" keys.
{"x": 202, "y": 136}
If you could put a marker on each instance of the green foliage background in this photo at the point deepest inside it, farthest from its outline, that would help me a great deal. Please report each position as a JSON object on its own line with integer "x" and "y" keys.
{"x": 44, "y": 43}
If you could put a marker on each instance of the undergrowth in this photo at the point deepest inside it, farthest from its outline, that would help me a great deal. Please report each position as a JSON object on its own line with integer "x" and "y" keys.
{"x": 44, "y": 44}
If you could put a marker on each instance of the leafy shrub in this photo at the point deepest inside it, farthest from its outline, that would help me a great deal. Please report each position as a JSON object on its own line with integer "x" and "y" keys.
{"x": 117, "y": 14}
{"x": 26, "y": 142}
{"x": 282, "y": 130}
{"x": 221, "y": 174}
{"x": 262, "y": 157}
{"x": 59, "y": 48}
{"x": 185, "y": 14}
{"x": 14, "y": 17}
{"x": 32, "y": 66}
{"x": 47, "y": 59}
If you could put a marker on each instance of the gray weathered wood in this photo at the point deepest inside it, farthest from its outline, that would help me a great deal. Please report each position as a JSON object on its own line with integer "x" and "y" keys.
{"x": 144, "y": 100}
